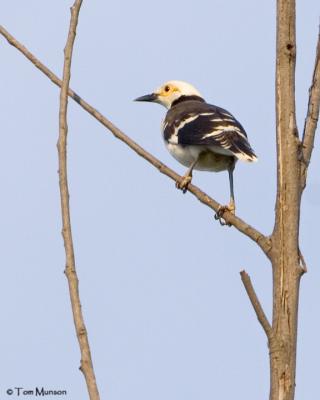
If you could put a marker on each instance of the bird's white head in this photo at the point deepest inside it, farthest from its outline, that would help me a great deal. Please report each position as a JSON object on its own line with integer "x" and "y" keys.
{"x": 169, "y": 92}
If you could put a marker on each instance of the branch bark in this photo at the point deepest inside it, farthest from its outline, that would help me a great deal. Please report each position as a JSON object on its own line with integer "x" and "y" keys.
{"x": 285, "y": 238}
{"x": 70, "y": 271}
{"x": 262, "y": 318}
{"x": 311, "y": 120}
{"x": 262, "y": 240}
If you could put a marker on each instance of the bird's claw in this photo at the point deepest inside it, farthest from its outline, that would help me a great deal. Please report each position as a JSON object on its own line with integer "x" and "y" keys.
{"x": 219, "y": 214}
{"x": 183, "y": 183}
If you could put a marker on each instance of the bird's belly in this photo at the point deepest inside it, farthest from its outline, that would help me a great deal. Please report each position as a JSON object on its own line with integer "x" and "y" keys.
{"x": 207, "y": 160}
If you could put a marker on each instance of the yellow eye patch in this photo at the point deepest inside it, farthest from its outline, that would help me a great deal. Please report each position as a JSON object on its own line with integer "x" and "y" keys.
{"x": 168, "y": 89}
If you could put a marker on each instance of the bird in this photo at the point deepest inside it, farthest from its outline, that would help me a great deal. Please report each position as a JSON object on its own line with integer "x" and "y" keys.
{"x": 201, "y": 136}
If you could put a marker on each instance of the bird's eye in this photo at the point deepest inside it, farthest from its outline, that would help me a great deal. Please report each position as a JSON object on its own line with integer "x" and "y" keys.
{"x": 167, "y": 88}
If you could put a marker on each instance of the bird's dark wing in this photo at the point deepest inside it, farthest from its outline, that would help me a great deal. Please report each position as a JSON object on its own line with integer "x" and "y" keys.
{"x": 205, "y": 124}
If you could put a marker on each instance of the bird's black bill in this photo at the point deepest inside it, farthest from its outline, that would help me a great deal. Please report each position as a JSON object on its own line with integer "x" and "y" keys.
{"x": 147, "y": 97}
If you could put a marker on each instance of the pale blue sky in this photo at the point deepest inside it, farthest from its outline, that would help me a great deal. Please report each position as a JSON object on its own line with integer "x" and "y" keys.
{"x": 167, "y": 315}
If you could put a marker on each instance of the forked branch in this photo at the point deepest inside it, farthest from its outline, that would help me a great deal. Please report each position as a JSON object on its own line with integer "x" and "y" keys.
{"x": 263, "y": 241}
{"x": 262, "y": 318}
{"x": 86, "y": 362}
{"x": 311, "y": 120}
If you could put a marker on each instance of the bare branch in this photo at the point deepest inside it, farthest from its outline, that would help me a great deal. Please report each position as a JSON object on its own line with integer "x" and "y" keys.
{"x": 302, "y": 262}
{"x": 311, "y": 120}
{"x": 285, "y": 237}
{"x": 262, "y": 318}
{"x": 86, "y": 362}
{"x": 263, "y": 241}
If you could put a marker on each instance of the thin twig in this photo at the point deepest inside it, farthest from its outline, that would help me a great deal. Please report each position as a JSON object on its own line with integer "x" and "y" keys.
{"x": 262, "y": 318}
{"x": 86, "y": 362}
{"x": 311, "y": 120}
{"x": 302, "y": 262}
{"x": 263, "y": 241}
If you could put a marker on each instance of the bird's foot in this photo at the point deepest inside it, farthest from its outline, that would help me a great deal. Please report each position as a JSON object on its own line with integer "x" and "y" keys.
{"x": 221, "y": 210}
{"x": 183, "y": 183}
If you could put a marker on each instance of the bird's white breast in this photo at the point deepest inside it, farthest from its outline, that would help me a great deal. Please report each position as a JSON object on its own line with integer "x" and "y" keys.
{"x": 207, "y": 160}
{"x": 181, "y": 153}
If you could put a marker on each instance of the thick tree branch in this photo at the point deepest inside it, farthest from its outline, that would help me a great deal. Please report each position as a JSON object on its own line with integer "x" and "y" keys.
{"x": 285, "y": 237}
{"x": 311, "y": 120}
{"x": 263, "y": 241}
{"x": 86, "y": 362}
{"x": 262, "y": 318}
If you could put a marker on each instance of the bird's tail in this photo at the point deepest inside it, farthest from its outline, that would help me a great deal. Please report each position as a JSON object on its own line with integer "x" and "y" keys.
{"x": 249, "y": 157}
{"x": 245, "y": 153}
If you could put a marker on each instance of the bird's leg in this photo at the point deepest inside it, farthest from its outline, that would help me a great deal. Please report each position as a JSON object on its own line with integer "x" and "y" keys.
{"x": 231, "y": 207}
{"x": 186, "y": 179}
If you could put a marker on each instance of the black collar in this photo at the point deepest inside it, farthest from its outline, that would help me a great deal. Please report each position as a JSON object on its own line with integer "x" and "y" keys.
{"x": 187, "y": 98}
